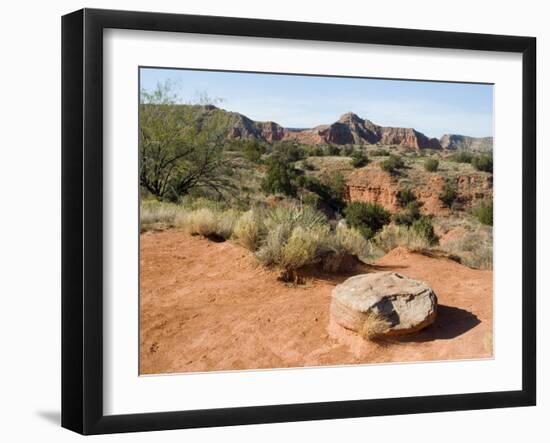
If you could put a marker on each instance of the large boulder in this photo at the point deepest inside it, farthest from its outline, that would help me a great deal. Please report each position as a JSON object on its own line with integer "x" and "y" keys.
{"x": 383, "y": 303}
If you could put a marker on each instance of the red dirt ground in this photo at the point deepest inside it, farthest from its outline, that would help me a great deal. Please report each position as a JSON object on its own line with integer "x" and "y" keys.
{"x": 208, "y": 306}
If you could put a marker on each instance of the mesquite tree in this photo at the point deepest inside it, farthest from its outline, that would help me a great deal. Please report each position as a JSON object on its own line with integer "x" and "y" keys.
{"x": 176, "y": 157}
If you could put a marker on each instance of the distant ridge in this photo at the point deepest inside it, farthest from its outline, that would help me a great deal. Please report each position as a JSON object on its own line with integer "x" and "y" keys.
{"x": 348, "y": 129}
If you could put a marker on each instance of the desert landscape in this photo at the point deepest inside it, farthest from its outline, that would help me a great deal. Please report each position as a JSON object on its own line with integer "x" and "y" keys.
{"x": 264, "y": 246}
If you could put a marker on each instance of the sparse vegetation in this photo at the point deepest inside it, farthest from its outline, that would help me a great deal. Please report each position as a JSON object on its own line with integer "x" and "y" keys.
{"x": 379, "y": 153}
{"x": 483, "y": 163}
{"x": 448, "y": 195}
{"x": 392, "y": 164}
{"x": 424, "y": 227}
{"x": 484, "y": 212}
{"x": 431, "y": 164}
{"x": 409, "y": 215}
{"x": 359, "y": 159}
{"x": 392, "y": 236}
{"x": 405, "y": 196}
{"x": 462, "y": 157}
{"x": 474, "y": 248}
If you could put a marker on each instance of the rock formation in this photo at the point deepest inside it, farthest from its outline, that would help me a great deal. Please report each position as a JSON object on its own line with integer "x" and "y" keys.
{"x": 348, "y": 129}
{"x": 373, "y": 185}
{"x": 456, "y": 142}
{"x": 400, "y": 304}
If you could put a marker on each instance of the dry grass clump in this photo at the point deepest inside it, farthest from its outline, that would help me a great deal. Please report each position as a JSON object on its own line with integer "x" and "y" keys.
{"x": 155, "y": 214}
{"x": 374, "y": 326}
{"x": 475, "y": 249}
{"x": 352, "y": 242}
{"x": 209, "y": 223}
{"x": 292, "y": 216}
{"x": 393, "y": 235}
{"x": 249, "y": 229}
{"x": 300, "y": 236}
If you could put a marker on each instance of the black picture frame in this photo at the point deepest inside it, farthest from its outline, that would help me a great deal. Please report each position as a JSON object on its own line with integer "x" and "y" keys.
{"x": 82, "y": 218}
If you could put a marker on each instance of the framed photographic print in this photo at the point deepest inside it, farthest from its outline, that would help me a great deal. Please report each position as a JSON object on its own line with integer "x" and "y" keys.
{"x": 269, "y": 221}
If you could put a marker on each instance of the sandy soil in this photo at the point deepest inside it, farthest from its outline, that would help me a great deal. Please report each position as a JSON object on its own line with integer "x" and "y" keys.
{"x": 208, "y": 306}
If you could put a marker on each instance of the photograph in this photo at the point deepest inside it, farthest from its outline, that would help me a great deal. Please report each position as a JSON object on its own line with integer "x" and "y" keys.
{"x": 292, "y": 221}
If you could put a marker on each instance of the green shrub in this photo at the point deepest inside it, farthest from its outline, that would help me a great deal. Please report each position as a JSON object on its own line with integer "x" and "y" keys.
{"x": 367, "y": 218}
{"x": 431, "y": 164}
{"x": 424, "y": 228}
{"x": 448, "y": 195}
{"x": 279, "y": 177}
{"x": 333, "y": 150}
{"x": 409, "y": 215}
{"x": 311, "y": 200}
{"x": 308, "y": 166}
{"x": 483, "y": 163}
{"x": 331, "y": 193}
{"x": 462, "y": 157}
{"x": 359, "y": 159}
{"x": 348, "y": 151}
{"x": 318, "y": 151}
{"x": 288, "y": 151}
{"x": 253, "y": 151}
{"x": 405, "y": 196}
{"x": 392, "y": 164}
{"x": 484, "y": 212}
{"x": 379, "y": 152}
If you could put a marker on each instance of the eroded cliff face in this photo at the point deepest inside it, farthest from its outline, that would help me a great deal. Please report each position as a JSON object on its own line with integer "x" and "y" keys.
{"x": 351, "y": 129}
{"x": 271, "y": 131}
{"x": 348, "y": 129}
{"x": 373, "y": 185}
{"x": 455, "y": 142}
{"x": 408, "y": 137}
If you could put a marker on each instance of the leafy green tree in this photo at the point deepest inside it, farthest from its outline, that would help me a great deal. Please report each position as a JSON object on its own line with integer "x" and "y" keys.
{"x": 174, "y": 158}
{"x": 279, "y": 177}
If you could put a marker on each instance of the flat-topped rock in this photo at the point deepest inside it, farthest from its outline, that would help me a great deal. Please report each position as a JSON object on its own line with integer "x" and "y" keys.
{"x": 398, "y": 304}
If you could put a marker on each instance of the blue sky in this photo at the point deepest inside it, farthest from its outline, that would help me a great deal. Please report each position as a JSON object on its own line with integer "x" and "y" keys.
{"x": 434, "y": 108}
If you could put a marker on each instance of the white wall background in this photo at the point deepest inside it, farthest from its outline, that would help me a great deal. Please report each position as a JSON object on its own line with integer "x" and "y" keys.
{"x": 30, "y": 218}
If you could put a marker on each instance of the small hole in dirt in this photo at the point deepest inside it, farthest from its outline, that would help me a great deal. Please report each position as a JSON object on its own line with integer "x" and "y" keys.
{"x": 215, "y": 238}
